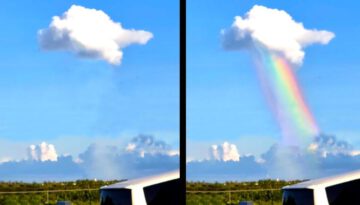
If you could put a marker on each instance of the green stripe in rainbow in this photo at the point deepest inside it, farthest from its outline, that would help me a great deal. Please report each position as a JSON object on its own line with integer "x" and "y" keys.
{"x": 293, "y": 94}
{"x": 285, "y": 98}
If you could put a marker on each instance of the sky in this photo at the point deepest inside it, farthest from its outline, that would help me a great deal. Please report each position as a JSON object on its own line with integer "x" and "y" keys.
{"x": 74, "y": 86}
{"x": 225, "y": 102}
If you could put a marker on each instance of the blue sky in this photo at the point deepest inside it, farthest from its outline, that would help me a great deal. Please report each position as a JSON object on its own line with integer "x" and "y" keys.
{"x": 56, "y": 97}
{"x": 224, "y": 99}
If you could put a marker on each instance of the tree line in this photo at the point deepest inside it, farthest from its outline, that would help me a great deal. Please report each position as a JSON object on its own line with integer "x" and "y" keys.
{"x": 84, "y": 192}
{"x": 262, "y": 192}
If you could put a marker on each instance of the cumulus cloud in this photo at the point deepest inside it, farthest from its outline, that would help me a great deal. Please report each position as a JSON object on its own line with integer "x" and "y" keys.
{"x": 147, "y": 144}
{"x": 100, "y": 161}
{"x": 324, "y": 145}
{"x": 274, "y": 30}
{"x": 90, "y": 33}
{"x": 42, "y": 152}
{"x": 325, "y": 156}
{"x": 224, "y": 152}
{"x": 143, "y": 155}
{"x": 289, "y": 162}
{"x": 331, "y": 156}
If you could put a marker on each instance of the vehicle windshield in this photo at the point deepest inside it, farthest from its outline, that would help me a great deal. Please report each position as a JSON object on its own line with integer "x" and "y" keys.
{"x": 115, "y": 197}
{"x": 163, "y": 193}
{"x": 344, "y": 193}
{"x": 298, "y": 197}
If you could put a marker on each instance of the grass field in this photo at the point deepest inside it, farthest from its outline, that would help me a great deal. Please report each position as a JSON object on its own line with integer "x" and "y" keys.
{"x": 263, "y": 192}
{"x": 81, "y": 192}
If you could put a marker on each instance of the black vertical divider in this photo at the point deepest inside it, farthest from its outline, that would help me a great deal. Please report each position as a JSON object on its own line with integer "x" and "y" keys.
{"x": 183, "y": 98}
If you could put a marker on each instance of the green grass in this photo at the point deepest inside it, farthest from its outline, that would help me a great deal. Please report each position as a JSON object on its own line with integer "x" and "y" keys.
{"x": 263, "y": 192}
{"x": 85, "y": 197}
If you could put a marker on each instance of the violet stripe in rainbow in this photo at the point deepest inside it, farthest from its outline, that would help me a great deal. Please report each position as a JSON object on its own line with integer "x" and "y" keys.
{"x": 285, "y": 98}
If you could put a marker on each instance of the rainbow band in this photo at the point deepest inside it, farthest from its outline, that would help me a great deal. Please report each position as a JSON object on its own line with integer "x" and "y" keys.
{"x": 285, "y": 98}
{"x": 292, "y": 91}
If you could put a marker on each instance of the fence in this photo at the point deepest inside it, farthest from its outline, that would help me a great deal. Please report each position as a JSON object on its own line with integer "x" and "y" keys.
{"x": 91, "y": 197}
{"x": 232, "y": 197}
{"x": 50, "y": 197}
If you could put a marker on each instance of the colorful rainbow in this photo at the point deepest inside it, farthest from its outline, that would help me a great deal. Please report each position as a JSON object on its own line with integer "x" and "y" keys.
{"x": 285, "y": 98}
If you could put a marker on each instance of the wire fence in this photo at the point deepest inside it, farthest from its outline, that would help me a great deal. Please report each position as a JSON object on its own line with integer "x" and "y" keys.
{"x": 50, "y": 197}
{"x": 91, "y": 197}
{"x": 232, "y": 197}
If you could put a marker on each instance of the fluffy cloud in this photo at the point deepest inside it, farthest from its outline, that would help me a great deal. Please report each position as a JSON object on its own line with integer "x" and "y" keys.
{"x": 143, "y": 155}
{"x": 329, "y": 144}
{"x": 289, "y": 162}
{"x": 325, "y": 156}
{"x": 293, "y": 162}
{"x": 90, "y": 33}
{"x": 42, "y": 152}
{"x": 274, "y": 30}
{"x": 224, "y": 152}
{"x": 147, "y": 144}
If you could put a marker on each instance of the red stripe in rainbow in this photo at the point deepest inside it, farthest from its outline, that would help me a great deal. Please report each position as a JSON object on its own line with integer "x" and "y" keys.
{"x": 291, "y": 89}
{"x": 285, "y": 98}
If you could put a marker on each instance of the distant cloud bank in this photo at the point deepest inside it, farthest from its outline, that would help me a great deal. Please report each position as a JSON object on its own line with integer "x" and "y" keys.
{"x": 274, "y": 30}
{"x": 143, "y": 155}
{"x": 325, "y": 156}
{"x": 90, "y": 33}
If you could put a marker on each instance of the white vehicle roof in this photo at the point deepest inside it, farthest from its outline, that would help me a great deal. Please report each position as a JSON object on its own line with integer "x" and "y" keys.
{"x": 145, "y": 181}
{"x": 326, "y": 181}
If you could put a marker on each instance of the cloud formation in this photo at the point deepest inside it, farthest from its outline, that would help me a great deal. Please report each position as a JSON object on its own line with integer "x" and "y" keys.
{"x": 90, "y": 33}
{"x": 274, "y": 30}
{"x": 224, "y": 152}
{"x": 324, "y": 145}
{"x": 29, "y": 170}
{"x": 325, "y": 156}
{"x": 143, "y": 155}
{"x": 247, "y": 168}
{"x": 147, "y": 144}
{"x": 42, "y": 152}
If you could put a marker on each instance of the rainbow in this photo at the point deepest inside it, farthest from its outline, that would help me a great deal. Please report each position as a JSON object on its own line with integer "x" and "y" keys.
{"x": 285, "y": 98}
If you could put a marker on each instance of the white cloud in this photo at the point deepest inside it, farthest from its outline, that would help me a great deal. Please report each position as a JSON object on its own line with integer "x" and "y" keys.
{"x": 355, "y": 153}
{"x": 130, "y": 147}
{"x": 90, "y": 33}
{"x": 42, "y": 152}
{"x": 173, "y": 153}
{"x": 274, "y": 30}
{"x": 324, "y": 145}
{"x": 214, "y": 152}
{"x": 148, "y": 145}
{"x": 326, "y": 156}
{"x": 224, "y": 152}
{"x": 5, "y": 159}
{"x": 142, "y": 155}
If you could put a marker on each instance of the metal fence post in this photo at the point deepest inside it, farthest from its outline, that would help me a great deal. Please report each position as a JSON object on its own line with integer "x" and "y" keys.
{"x": 229, "y": 197}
